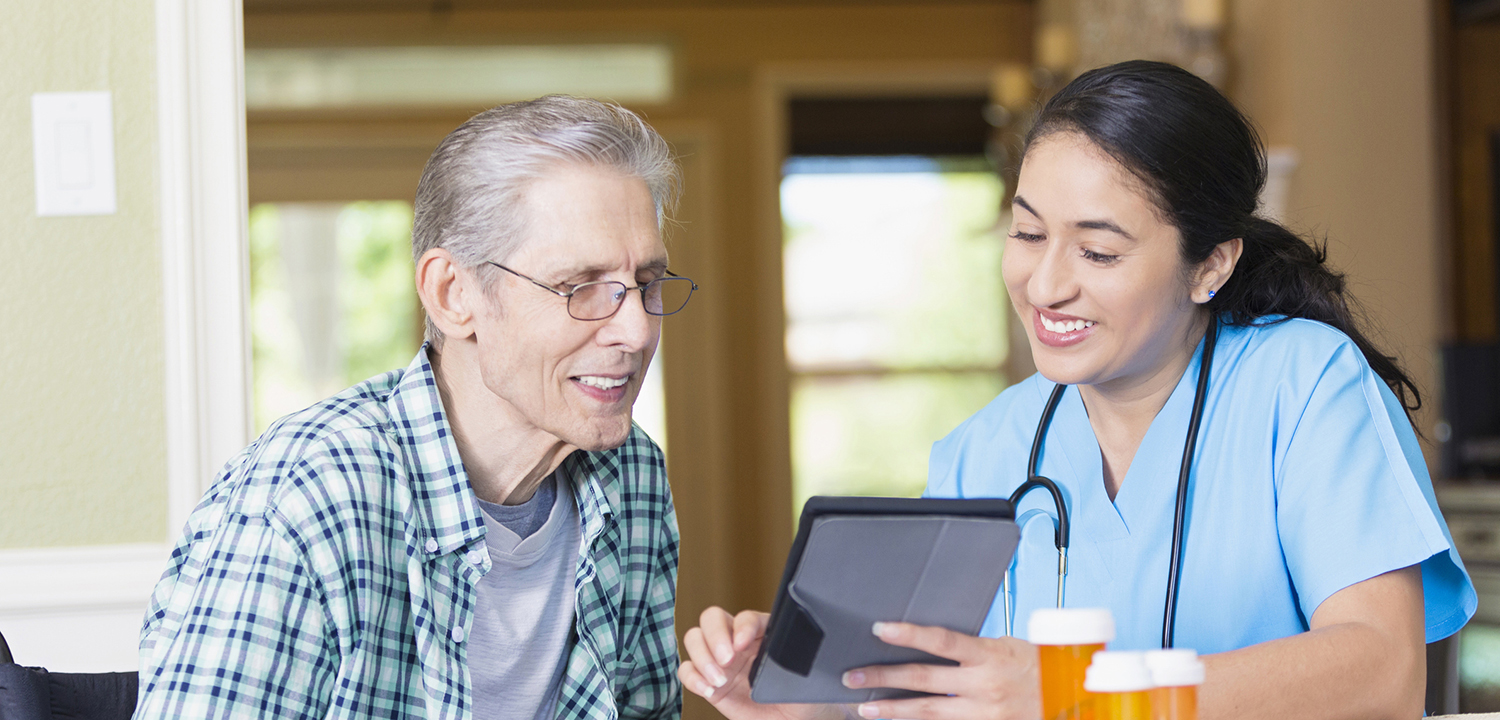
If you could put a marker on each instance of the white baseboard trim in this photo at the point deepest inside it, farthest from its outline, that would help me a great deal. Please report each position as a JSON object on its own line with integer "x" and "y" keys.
{"x": 77, "y": 609}
{"x": 51, "y": 580}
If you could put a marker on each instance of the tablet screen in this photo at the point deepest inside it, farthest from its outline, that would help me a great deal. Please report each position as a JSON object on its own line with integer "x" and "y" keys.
{"x": 857, "y": 561}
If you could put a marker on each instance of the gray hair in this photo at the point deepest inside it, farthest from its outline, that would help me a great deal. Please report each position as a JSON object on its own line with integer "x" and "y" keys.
{"x": 471, "y": 197}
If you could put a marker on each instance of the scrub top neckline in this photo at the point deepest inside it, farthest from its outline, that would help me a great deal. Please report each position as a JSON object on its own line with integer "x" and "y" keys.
{"x": 1151, "y": 480}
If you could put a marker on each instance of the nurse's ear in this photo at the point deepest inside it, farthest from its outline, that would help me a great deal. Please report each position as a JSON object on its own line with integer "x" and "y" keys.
{"x": 1214, "y": 271}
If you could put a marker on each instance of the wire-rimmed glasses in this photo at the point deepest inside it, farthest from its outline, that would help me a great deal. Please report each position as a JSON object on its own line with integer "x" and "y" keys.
{"x": 602, "y": 299}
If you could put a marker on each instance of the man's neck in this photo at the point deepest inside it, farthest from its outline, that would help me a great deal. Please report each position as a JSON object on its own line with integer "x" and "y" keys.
{"x": 505, "y": 457}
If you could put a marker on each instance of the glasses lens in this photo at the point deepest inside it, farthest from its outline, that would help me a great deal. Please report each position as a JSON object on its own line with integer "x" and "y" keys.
{"x": 668, "y": 295}
{"x": 596, "y": 301}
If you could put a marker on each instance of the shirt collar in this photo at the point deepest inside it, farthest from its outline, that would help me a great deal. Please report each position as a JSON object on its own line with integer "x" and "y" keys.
{"x": 443, "y": 499}
{"x": 440, "y": 487}
{"x": 596, "y": 481}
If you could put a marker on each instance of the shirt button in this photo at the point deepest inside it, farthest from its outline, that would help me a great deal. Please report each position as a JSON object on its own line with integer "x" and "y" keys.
{"x": 476, "y": 558}
{"x": 431, "y": 545}
{"x": 458, "y": 634}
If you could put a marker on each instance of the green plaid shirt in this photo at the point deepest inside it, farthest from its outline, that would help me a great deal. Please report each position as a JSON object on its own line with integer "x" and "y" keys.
{"x": 330, "y": 572}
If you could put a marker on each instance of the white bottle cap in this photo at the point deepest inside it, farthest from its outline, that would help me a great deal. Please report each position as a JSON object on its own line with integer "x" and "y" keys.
{"x": 1117, "y": 671}
{"x": 1175, "y": 668}
{"x": 1070, "y": 626}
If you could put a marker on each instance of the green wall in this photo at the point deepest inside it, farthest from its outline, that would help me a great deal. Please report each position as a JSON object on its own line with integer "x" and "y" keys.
{"x": 82, "y": 433}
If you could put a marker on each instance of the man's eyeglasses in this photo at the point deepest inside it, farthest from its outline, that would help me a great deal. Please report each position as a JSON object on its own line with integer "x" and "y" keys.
{"x": 601, "y": 300}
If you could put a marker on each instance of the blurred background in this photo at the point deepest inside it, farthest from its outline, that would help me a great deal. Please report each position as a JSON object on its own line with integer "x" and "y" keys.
{"x": 847, "y": 168}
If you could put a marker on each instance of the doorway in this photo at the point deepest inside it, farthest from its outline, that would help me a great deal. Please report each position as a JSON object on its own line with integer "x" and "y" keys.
{"x": 896, "y": 314}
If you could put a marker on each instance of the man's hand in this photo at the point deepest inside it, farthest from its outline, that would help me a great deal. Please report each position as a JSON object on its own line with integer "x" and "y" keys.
{"x": 720, "y": 651}
{"x": 995, "y": 680}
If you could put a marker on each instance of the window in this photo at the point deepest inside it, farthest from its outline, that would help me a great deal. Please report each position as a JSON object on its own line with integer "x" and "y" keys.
{"x": 456, "y": 76}
{"x": 896, "y": 314}
{"x": 331, "y": 299}
{"x": 1479, "y": 667}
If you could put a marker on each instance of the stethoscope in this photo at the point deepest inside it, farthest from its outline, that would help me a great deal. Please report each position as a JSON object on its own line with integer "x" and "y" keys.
{"x": 1034, "y": 481}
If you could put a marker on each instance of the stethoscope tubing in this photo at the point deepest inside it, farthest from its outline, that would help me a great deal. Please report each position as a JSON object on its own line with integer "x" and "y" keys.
{"x": 1062, "y": 533}
{"x": 1179, "y": 520}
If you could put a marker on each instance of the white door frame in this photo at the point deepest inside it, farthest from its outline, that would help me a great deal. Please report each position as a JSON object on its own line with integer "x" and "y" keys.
{"x": 205, "y": 255}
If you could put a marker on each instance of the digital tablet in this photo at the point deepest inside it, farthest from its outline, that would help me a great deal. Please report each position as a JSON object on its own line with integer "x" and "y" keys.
{"x": 861, "y": 560}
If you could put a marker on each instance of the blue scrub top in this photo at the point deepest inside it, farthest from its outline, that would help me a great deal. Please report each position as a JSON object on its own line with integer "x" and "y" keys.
{"x": 1307, "y": 479}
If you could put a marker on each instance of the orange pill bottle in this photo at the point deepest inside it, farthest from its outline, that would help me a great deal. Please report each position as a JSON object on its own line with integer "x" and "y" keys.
{"x": 1176, "y": 675}
{"x": 1066, "y": 640}
{"x": 1119, "y": 686}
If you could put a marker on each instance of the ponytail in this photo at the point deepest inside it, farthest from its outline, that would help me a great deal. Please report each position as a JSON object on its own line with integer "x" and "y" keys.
{"x": 1281, "y": 274}
{"x": 1203, "y": 166}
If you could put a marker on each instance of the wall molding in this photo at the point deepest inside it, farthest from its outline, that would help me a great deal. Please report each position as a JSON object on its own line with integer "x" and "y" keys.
{"x": 52, "y": 581}
{"x": 78, "y": 609}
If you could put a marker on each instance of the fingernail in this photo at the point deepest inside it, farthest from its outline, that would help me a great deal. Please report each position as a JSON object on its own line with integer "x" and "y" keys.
{"x": 868, "y": 710}
{"x": 881, "y": 629}
{"x": 854, "y": 679}
{"x": 724, "y": 654}
{"x": 706, "y": 691}
{"x": 718, "y": 679}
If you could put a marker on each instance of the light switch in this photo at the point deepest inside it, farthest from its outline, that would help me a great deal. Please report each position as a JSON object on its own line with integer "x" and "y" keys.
{"x": 74, "y": 147}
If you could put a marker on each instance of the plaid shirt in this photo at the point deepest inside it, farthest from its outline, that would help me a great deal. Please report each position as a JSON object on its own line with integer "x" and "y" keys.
{"x": 331, "y": 571}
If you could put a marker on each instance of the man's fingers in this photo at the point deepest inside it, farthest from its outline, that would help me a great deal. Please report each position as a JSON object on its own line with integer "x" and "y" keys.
{"x": 702, "y": 659}
{"x": 922, "y": 678}
{"x": 938, "y": 641}
{"x": 718, "y": 634}
{"x": 749, "y": 626}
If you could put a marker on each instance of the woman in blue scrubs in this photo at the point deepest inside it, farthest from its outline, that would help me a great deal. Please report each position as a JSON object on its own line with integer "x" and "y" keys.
{"x": 1316, "y": 563}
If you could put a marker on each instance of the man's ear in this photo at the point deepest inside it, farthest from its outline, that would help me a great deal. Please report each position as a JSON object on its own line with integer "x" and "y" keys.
{"x": 448, "y": 293}
{"x": 1216, "y": 269}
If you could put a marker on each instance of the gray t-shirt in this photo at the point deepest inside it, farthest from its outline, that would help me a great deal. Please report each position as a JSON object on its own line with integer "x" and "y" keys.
{"x": 523, "y": 616}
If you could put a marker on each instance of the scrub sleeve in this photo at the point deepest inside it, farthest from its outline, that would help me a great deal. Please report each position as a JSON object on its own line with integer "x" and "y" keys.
{"x": 1350, "y": 505}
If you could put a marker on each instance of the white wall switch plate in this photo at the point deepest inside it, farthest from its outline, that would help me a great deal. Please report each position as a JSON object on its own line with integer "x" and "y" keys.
{"x": 74, "y": 145}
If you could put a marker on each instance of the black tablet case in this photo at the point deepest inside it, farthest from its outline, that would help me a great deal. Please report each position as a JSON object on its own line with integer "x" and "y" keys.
{"x": 859, "y": 560}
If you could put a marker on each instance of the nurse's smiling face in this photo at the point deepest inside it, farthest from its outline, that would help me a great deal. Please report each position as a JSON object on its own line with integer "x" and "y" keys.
{"x": 1095, "y": 272}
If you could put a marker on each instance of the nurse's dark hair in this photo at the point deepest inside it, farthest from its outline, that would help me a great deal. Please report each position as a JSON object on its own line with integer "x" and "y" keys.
{"x": 1202, "y": 163}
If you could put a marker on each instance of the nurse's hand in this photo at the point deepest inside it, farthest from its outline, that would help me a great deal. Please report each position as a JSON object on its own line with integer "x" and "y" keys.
{"x": 995, "y": 679}
{"x": 720, "y": 651}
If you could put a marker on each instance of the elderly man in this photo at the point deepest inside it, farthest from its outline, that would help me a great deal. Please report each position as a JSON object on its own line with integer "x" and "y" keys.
{"x": 484, "y": 533}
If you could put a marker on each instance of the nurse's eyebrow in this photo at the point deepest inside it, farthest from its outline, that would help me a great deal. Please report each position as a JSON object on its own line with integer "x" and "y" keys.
{"x": 1107, "y": 225}
{"x": 1022, "y": 202}
{"x": 1104, "y": 225}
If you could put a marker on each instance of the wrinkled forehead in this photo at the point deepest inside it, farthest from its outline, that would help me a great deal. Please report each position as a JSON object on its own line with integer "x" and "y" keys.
{"x": 590, "y": 216}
